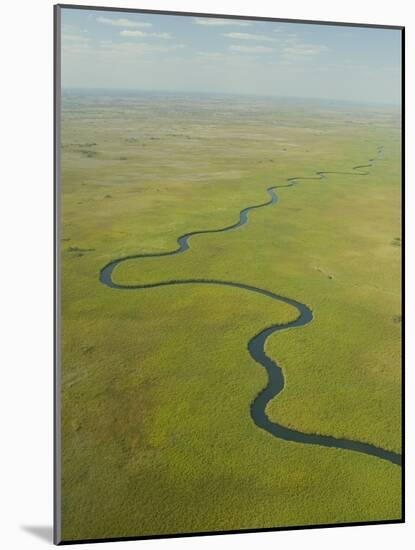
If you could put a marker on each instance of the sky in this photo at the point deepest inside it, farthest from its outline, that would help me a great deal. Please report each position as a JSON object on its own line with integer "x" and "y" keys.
{"x": 138, "y": 51}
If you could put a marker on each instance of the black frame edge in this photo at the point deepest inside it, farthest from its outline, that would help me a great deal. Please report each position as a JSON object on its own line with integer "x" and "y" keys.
{"x": 56, "y": 275}
{"x": 233, "y": 532}
{"x": 403, "y": 280}
{"x": 227, "y": 16}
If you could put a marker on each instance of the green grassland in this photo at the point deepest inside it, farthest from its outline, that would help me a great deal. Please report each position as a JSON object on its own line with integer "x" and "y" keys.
{"x": 156, "y": 384}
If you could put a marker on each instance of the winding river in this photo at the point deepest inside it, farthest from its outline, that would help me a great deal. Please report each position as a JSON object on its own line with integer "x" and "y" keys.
{"x": 256, "y": 345}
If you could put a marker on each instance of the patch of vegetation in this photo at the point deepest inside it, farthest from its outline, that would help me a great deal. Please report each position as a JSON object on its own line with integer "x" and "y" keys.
{"x": 88, "y": 153}
{"x": 77, "y": 249}
{"x": 87, "y": 349}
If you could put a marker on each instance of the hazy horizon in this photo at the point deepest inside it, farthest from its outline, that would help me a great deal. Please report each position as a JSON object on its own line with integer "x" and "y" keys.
{"x": 237, "y": 95}
{"x": 104, "y": 50}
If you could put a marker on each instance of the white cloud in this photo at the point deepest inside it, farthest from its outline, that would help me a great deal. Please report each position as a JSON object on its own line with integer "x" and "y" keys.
{"x": 211, "y": 55}
{"x": 74, "y": 43}
{"x": 284, "y": 33}
{"x": 133, "y": 33}
{"x": 248, "y": 36}
{"x": 292, "y": 47}
{"x": 74, "y": 38}
{"x": 123, "y": 22}
{"x": 304, "y": 49}
{"x": 213, "y": 22}
{"x": 250, "y": 49}
{"x": 71, "y": 28}
{"x": 122, "y": 51}
{"x": 141, "y": 34}
{"x": 132, "y": 49}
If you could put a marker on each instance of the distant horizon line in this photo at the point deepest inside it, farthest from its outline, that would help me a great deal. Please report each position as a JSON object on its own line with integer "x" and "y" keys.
{"x": 223, "y": 93}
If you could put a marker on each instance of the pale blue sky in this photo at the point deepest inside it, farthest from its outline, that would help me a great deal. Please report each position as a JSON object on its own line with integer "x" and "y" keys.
{"x": 104, "y": 49}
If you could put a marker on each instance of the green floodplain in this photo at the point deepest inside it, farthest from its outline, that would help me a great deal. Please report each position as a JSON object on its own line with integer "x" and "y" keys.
{"x": 156, "y": 384}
